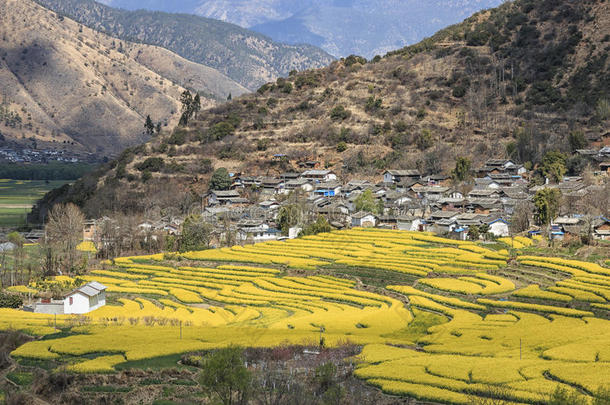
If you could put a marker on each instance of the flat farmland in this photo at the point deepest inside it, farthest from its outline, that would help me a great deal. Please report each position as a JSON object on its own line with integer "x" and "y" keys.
{"x": 18, "y": 196}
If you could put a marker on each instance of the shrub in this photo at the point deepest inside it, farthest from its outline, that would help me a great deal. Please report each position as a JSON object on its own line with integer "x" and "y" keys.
{"x": 339, "y": 113}
{"x": 152, "y": 164}
{"x": 221, "y": 130}
{"x": 373, "y": 104}
{"x": 341, "y": 147}
{"x": 178, "y": 137}
{"x": 8, "y": 300}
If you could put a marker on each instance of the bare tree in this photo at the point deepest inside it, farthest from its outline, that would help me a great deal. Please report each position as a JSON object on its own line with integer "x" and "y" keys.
{"x": 520, "y": 221}
{"x": 63, "y": 233}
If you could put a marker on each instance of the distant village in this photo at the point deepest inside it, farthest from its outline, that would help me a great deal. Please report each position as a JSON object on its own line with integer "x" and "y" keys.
{"x": 13, "y": 155}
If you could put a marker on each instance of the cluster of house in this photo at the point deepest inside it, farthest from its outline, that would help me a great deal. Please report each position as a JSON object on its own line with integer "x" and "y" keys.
{"x": 405, "y": 200}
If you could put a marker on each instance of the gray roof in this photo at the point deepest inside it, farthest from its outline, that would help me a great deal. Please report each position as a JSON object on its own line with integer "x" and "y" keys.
{"x": 90, "y": 289}
{"x": 401, "y": 173}
{"x": 97, "y": 286}
{"x": 362, "y": 214}
{"x": 225, "y": 193}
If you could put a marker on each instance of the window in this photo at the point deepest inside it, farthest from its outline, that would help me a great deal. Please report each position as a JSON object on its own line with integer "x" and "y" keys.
{"x": 71, "y": 300}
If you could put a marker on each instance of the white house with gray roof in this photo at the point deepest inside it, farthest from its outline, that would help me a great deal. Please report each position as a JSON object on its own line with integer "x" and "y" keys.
{"x": 85, "y": 298}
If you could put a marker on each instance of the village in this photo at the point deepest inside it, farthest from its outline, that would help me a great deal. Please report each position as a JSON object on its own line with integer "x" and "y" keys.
{"x": 401, "y": 199}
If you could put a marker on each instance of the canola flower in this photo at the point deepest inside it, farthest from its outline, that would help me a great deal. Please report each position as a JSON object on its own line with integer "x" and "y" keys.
{"x": 268, "y": 294}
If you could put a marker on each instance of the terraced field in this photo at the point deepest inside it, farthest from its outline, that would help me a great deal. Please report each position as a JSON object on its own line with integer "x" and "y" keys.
{"x": 502, "y": 335}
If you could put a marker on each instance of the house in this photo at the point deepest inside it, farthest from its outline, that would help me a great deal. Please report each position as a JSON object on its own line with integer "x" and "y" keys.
{"x": 298, "y": 184}
{"x": 484, "y": 193}
{"x": 432, "y": 193}
{"x": 256, "y": 231}
{"x": 90, "y": 230}
{"x": 222, "y": 196}
{"x": 396, "y": 198}
{"x": 272, "y": 185}
{"x": 396, "y": 176}
{"x": 328, "y": 189}
{"x": 319, "y": 175}
{"x": 387, "y": 221}
{"x": 364, "y": 220}
{"x": 497, "y": 226}
{"x": 85, "y": 299}
{"x": 269, "y": 205}
{"x": 437, "y": 180}
{"x": 601, "y": 228}
{"x": 410, "y": 223}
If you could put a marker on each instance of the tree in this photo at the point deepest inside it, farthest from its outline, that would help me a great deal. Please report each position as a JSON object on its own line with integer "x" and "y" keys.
{"x": 149, "y": 127}
{"x": 473, "y": 232}
{"x": 225, "y": 376}
{"x": 327, "y": 387}
{"x": 553, "y": 166}
{"x": 289, "y": 216}
{"x": 196, "y": 234}
{"x": 187, "y": 107}
{"x": 520, "y": 221}
{"x": 229, "y": 97}
{"x": 196, "y": 105}
{"x": 424, "y": 139}
{"x": 577, "y": 140}
{"x": 64, "y": 232}
{"x": 546, "y": 203}
{"x": 220, "y": 179}
{"x": 462, "y": 169}
{"x": 367, "y": 202}
{"x": 319, "y": 226}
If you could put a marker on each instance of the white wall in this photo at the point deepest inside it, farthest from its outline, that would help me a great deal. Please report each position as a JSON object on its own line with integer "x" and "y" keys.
{"x": 499, "y": 229}
{"x": 80, "y": 304}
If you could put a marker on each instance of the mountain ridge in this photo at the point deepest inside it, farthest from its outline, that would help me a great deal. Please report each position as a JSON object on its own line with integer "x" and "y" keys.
{"x": 245, "y": 56}
{"x": 340, "y": 27}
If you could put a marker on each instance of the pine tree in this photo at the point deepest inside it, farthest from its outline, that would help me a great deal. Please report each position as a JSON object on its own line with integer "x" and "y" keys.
{"x": 149, "y": 127}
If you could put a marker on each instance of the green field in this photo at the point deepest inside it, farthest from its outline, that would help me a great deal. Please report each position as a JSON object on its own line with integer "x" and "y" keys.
{"x": 18, "y": 196}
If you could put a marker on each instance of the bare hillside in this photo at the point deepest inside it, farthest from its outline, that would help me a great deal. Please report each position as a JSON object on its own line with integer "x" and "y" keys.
{"x": 517, "y": 81}
{"x": 64, "y": 85}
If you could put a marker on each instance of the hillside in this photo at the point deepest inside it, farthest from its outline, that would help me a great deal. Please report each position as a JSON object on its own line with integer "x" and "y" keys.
{"x": 247, "y": 57}
{"x": 66, "y": 86}
{"x": 514, "y": 81}
{"x": 340, "y": 27}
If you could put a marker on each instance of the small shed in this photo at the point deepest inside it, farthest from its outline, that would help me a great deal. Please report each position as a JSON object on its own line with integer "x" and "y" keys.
{"x": 85, "y": 298}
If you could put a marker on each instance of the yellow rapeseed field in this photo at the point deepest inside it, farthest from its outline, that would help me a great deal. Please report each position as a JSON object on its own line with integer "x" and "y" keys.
{"x": 497, "y": 330}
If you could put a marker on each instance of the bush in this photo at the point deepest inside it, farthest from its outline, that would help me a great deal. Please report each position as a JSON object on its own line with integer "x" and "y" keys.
{"x": 152, "y": 164}
{"x": 373, "y": 104}
{"x": 178, "y": 137}
{"x": 8, "y": 300}
{"x": 339, "y": 113}
{"x": 221, "y": 130}
{"x": 459, "y": 91}
{"x": 341, "y": 147}
{"x": 353, "y": 59}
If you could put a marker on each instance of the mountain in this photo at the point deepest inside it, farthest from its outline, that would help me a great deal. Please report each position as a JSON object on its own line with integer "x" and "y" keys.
{"x": 340, "y": 27}
{"x": 249, "y": 58}
{"x": 517, "y": 81}
{"x": 66, "y": 86}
